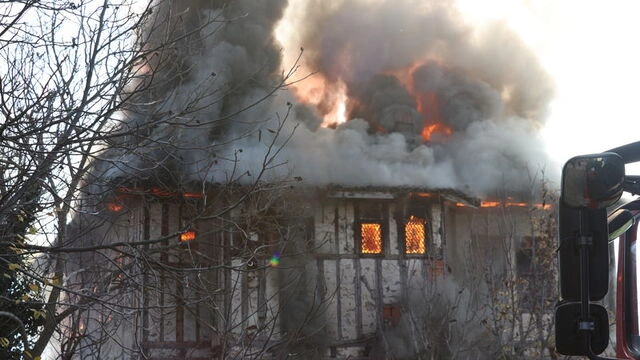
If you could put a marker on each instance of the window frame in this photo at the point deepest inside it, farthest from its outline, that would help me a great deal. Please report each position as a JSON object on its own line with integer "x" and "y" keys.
{"x": 362, "y": 216}
{"x": 421, "y": 210}
{"x": 402, "y": 238}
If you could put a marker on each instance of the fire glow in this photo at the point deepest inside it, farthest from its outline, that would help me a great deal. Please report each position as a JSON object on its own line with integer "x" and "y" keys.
{"x": 116, "y": 204}
{"x": 371, "y": 235}
{"x": 188, "y": 236}
{"x": 498, "y": 204}
{"x": 333, "y": 103}
{"x": 387, "y": 93}
{"x": 415, "y": 236}
{"x": 429, "y": 107}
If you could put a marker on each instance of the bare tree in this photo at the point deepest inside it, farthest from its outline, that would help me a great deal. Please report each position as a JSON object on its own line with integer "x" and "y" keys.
{"x": 522, "y": 286}
{"x": 64, "y": 67}
{"x": 497, "y": 306}
{"x": 99, "y": 104}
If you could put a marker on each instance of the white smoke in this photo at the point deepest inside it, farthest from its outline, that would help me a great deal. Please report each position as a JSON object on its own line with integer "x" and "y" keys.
{"x": 224, "y": 108}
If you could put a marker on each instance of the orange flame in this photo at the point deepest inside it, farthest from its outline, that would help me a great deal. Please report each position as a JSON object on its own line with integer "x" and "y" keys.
{"x": 162, "y": 192}
{"x": 429, "y": 107}
{"x": 329, "y": 99}
{"x": 494, "y": 204}
{"x": 188, "y": 236}
{"x": 116, "y": 204}
{"x": 414, "y": 231}
{"x": 371, "y": 238}
{"x": 429, "y": 130}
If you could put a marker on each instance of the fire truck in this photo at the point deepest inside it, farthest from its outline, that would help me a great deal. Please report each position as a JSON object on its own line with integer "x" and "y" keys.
{"x": 598, "y": 309}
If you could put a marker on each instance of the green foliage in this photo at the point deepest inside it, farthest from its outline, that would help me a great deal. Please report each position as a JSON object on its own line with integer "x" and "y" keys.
{"x": 18, "y": 298}
{"x": 20, "y": 295}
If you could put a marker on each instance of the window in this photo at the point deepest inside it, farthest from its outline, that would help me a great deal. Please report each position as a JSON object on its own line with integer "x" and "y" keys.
{"x": 413, "y": 228}
{"x": 415, "y": 236}
{"x": 524, "y": 257}
{"x": 188, "y": 235}
{"x": 370, "y": 229}
{"x": 371, "y": 238}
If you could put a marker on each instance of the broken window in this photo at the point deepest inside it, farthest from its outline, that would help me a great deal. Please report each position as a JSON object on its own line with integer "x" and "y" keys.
{"x": 415, "y": 236}
{"x": 370, "y": 230}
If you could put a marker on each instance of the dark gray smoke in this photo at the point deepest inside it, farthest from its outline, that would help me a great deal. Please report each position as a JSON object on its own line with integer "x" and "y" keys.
{"x": 216, "y": 104}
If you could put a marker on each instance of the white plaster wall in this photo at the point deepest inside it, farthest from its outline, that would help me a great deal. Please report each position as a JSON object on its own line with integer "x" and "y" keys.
{"x": 272, "y": 296}
{"x": 332, "y": 294}
{"x": 253, "y": 283}
{"x": 369, "y": 294}
{"x": 415, "y": 270}
{"x": 324, "y": 237}
{"x": 345, "y": 232}
{"x": 236, "y": 296}
{"x": 391, "y": 286}
{"x": 348, "y": 298}
{"x": 436, "y": 224}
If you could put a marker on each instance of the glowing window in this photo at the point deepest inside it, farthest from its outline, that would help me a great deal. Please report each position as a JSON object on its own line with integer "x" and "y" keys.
{"x": 188, "y": 236}
{"x": 414, "y": 236}
{"x": 371, "y": 238}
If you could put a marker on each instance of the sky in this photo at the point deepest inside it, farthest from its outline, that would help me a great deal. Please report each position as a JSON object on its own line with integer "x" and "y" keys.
{"x": 592, "y": 51}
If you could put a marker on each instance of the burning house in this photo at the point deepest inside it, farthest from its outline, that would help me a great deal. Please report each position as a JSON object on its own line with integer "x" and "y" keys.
{"x": 244, "y": 213}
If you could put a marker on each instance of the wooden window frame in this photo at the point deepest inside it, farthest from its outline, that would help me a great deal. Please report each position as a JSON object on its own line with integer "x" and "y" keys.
{"x": 426, "y": 239}
{"x": 419, "y": 210}
{"x": 382, "y": 219}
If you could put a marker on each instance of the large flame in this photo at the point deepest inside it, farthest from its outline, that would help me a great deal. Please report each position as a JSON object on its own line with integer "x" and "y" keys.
{"x": 328, "y": 98}
{"x": 429, "y": 107}
{"x": 331, "y": 100}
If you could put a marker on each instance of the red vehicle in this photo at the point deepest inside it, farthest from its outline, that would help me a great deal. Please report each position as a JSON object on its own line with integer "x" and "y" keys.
{"x": 597, "y": 242}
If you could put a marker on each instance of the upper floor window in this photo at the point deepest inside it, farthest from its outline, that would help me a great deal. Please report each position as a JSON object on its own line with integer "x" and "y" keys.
{"x": 415, "y": 236}
{"x": 370, "y": 227}
{"x": 371, "y": 238}
{"x": 413, "y": 228}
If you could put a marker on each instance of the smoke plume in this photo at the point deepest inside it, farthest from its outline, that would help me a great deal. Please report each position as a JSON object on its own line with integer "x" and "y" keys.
{"x": 429, "y": 101}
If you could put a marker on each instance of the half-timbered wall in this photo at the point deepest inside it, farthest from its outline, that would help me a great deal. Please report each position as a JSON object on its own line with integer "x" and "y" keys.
{"x": 238, "y": 289}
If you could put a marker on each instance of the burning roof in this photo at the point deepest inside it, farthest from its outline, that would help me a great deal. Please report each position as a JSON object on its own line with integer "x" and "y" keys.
{"x": 383, "y": 192}
{"x": 400, "y": 94}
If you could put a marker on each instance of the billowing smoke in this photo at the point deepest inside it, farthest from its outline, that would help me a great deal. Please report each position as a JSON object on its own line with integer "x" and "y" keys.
{"x": 429, "y": 101}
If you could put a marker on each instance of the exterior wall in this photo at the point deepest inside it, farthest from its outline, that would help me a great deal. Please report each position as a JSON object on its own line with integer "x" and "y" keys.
{"x": 370, "y": 298}
{"x": 324, "y": 294}
{"x": 361, "y": 289}
{"x": 194, "y": 300}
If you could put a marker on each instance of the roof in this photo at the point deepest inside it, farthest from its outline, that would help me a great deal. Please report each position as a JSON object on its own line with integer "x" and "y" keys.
{"x": 393, "y": 192}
